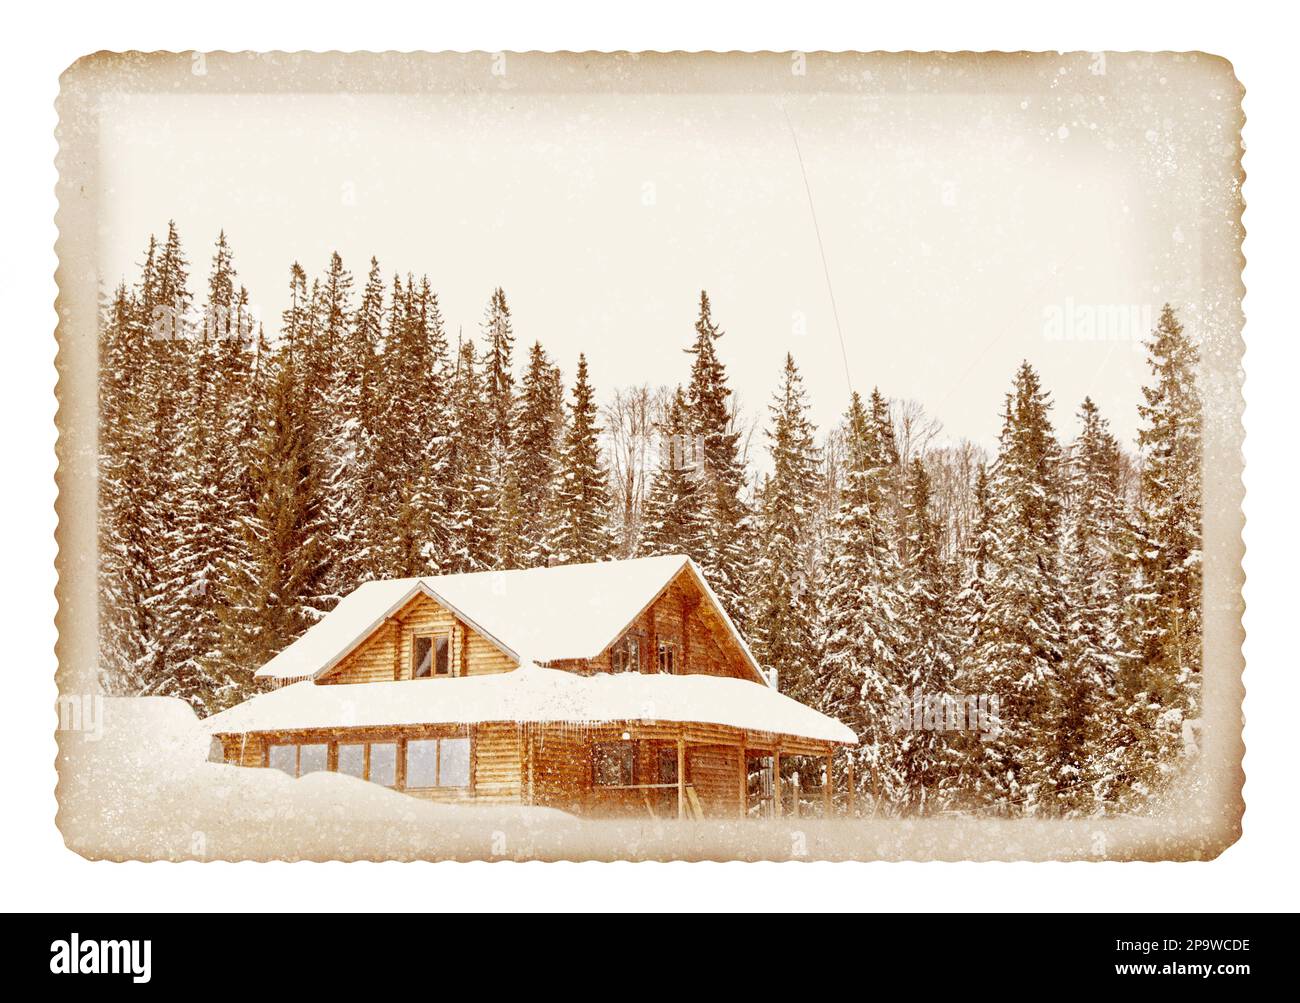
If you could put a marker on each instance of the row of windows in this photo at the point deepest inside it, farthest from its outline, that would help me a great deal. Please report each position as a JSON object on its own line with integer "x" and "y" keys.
{"x": 615, "y": 764}
{"x": 625, "y": 655}
{"x": 430, "y": 762}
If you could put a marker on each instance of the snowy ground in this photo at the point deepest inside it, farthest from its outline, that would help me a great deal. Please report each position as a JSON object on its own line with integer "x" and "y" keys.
{"x": 145, "y": 789}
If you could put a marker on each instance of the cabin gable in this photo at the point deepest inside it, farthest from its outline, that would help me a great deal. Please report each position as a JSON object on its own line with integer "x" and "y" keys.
{"x": 680, "y": 631}
{"x": 389, "y": 652}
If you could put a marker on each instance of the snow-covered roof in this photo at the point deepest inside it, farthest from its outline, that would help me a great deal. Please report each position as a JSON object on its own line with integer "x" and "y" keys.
{"x": 537, "y": 614}
{"x": 533, "y": 695}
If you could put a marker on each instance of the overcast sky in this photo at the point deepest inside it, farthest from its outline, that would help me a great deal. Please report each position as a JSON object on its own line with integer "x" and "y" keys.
{"x": 953, "y": 224}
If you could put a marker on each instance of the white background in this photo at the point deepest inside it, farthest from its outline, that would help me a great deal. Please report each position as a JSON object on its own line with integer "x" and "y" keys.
{"x": 37, "y": 872}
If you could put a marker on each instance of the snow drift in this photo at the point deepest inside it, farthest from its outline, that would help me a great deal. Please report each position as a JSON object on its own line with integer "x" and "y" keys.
{"x": 147, "y": 789}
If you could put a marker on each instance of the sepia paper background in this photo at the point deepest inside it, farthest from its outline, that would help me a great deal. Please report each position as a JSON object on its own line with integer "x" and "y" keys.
{"x": 1190, "y": 102}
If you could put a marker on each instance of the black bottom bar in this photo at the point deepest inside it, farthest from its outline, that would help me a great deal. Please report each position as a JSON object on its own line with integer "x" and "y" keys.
{"x": 350, "y": 952}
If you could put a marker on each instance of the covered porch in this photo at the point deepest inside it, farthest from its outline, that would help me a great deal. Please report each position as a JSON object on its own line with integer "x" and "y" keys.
{"x": 670, "y": 770}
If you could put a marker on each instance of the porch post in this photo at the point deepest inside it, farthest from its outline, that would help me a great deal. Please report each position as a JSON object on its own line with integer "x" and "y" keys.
{"x": 743, "y": 787}
{"x": 828, "y": 791}
{"x": 776, "y": 781}
{"x": 853, "y": 790}
{"x": 681, "y": 776}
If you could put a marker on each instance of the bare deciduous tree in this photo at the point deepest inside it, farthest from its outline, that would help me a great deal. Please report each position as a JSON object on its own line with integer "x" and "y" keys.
{"x": 914, "y": 429}
{"x": 952, "y": 472}
{"x": 631, "y": 421}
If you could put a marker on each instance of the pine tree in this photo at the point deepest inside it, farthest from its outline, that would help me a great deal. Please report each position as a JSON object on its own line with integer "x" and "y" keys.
{"x": 969, "y": 787}
{"x": 411, "y": 443}
{"x": 928, "y": 645}
{"x": 535, "y": 462}
{"x": 880, "y": 431}
{"x": 323, "y": 377}
{"x": 1085, "y": 726}
{"x": 360, "y": 380}
{"x": 277, "y": 592}
{"x": 296, "y": 320}
{"x": 438, "y": 429}
{"x": 674, "y": 519}
{"x": 330, "y": 331}
{"x": 889, "y": 476}
{"x": 1022, "y": 633}
{"x": 126, "y": 574}
{"x": 581, "y": 533}
{"x": 469, "y": 502}
{"x": 166, "y": 304}
{"x": 508, "y": 528}
{"x": 151, "y": 501}
{"x": 254, "y": 407}
{"x": 974, "y": 600}
{"x": 1160, "y": 682}
{"x": 783, "y": 627}
{"x": 499, "y": 381}
{"x": 860, "y": 679}
{"x": 359, "y": 408}
{"x": 728, "y": 552}
{"x": 211, "y": 493}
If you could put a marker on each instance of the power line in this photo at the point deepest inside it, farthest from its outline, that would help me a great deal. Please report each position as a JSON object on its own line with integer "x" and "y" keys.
{"x": 812, "y": 209}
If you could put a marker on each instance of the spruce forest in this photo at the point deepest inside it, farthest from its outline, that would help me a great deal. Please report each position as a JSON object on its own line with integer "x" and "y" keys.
{"x": 250, "y": 478}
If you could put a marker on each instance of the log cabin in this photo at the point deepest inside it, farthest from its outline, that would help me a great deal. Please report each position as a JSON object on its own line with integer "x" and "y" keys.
{"x": 612, "y": 689}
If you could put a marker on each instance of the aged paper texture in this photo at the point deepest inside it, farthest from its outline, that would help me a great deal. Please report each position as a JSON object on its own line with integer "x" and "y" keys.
{"x": 719, "y": 456}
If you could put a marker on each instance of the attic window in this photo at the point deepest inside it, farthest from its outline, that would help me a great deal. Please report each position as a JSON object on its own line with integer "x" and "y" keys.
{"x": 430, "y": 656}
{"x": 625, "y": 655}
{"x": 668, "y": 657}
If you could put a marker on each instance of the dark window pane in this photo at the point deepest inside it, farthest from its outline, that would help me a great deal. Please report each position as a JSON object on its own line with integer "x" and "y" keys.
{"x": 612, "y": 763}
{"x": 453, "y": 770}
{"x": 626, "y": 655}
{"x": 313, "y": 759}
{"x": 442, "y": 663}
{"x": 667, "y": 766}
{"x": 422, "y": 763}
{"x": 283, "y": 757}
{"x": 352, "y": 760}
{"x": 604, "y": 764}
{"x": 422, "y": 657}
{"x": 383, "y": 763}
{"x": 667, "y": 657}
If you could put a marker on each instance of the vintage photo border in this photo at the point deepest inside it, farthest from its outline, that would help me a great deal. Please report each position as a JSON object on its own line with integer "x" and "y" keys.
{"x": 1210, "y": 819}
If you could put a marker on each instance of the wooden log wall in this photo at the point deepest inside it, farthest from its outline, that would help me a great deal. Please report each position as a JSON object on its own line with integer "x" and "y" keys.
{"x": 682, "y": 615}
{"x": 551, "y": 764}
{"x": 387, "y": 654}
